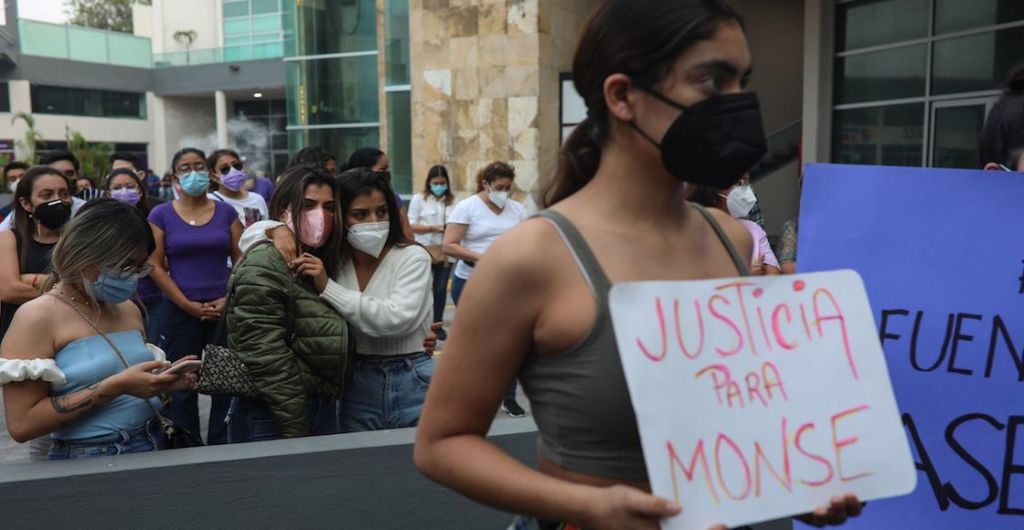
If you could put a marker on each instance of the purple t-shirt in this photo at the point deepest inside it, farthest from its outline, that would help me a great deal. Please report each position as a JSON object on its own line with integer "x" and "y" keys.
{"x": 197, "y": 256}
{"x": 264, "y": 187}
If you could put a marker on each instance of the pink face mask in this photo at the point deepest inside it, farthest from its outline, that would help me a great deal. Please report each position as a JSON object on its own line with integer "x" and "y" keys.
{"x": 317, "y": 226}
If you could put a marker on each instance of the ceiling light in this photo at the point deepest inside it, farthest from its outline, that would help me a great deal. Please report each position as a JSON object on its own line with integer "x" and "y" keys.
{"x": 258, "y": 95}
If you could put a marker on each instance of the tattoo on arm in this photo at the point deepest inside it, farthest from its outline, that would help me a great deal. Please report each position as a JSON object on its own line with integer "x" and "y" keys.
{"x": 76, "y": 402}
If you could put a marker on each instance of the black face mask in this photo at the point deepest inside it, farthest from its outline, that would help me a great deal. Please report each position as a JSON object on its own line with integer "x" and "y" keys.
{"x": 715, "y": 142}
{"x": 53, "y": 214}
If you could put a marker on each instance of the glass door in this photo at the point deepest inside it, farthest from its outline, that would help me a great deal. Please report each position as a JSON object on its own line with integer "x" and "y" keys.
{"x": 956, "y": 128}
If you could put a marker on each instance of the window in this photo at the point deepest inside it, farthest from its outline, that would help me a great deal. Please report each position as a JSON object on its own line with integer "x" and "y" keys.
{"x": 400, "y": 141}
{"x": 336, "y": 27}
{"x": 910, "y": 93}
{"x": 85, "y": 102}
{"x": 335, "y": 91}
{"x": 976, "y": 62}
{"x": 875, "y": 22}
{"x": 236, "y": 9}
{"x": 5, "y": 97}
{"x": 957, "y": 130}
{"x": 888, "y": 135}
{"x": 958, "y": 15}
{"x": 888, "y": 74}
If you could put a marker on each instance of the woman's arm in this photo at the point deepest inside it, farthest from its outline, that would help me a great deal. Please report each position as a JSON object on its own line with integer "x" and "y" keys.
{"x": 30, "y": 411}
{"x": 163, "y": 280}
{"x": 396, "y": 314}
{"x": 236, "y": 235}
{"x": 454, "y": 233}
{"x": 13, "y": 288}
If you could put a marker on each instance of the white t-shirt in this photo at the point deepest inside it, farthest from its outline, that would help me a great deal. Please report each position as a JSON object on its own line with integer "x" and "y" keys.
{"x": 431, "y": 212}
{"x": 8, "y": 222}
{"x": 251, "y": 209}
{"x": 483, "y": 226}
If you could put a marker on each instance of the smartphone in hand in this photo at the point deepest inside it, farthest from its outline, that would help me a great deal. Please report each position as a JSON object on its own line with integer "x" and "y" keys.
{"x": 184, "y": 367}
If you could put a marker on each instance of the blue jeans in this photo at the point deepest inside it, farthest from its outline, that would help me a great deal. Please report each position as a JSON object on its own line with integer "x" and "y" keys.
{"x": 250, "y": 420}
{"x": 184, "y": 335}
{"x": 386, "y": 393}
{"x": 441, "y": 273}
{"x": 156, "y": 315}
{"x": 137, "y": 440}
{"x": 458, "y": 284}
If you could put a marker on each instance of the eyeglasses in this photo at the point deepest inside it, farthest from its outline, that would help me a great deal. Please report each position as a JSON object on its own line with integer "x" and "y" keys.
{"x": 185, "y": 169}
{"x": 227, "y": 167}
{"x": 135, "y": 271}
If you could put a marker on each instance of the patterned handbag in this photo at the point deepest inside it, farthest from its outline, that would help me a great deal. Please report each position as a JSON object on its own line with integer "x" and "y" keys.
{"x": 224, "y": 374}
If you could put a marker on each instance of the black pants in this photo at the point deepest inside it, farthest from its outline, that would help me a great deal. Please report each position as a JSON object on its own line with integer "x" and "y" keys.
{"x": 185, "y": 335}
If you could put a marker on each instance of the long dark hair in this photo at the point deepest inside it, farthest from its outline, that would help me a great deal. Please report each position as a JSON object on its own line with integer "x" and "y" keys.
{"x": 24, "y": 225}
{"x": 143, "y": 204}
{"x": 361, "y": 181}
{"x": 1003, "y": 138}
{"x": 314, "y": 156}
{"x": 289, "y": 195}
{"x": 435, "y": 172}
{"x": 364, "y": 157}
{"x": 641, "y": 39}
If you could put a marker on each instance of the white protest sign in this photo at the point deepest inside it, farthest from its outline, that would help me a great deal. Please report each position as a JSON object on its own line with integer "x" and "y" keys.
{"x": 759, "y": 398}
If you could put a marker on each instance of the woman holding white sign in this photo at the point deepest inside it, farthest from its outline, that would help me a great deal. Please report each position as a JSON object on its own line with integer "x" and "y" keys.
{"x": 663, "y": 85}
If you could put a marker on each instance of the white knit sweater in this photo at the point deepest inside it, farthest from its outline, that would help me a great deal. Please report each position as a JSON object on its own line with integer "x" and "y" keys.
{"x": 392, "y": 316}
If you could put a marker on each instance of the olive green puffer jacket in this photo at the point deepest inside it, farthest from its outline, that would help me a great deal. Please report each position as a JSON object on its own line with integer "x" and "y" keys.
{"x": 292, "y": 342}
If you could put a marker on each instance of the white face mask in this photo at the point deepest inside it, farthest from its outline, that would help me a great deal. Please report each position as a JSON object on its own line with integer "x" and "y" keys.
{"x": 740, "y": 201}
{"x": 13, "y": 186}
{"x": 369, "y": 237}
{"x": 499, "y": 198}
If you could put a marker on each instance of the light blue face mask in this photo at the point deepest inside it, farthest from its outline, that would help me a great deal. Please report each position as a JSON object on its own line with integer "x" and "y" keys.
{"x": 111, "y": 288}
{"x": 438, "y": 189}
{"x": 195, "y": 183}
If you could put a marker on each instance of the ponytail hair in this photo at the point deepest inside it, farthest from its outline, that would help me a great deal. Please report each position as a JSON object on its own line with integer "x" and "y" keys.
{"x": 639, "y": 38}
{"x": 1003, "y": 138}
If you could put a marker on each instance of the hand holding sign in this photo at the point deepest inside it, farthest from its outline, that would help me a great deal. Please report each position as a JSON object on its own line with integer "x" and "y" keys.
{"x": 760, "y": 398}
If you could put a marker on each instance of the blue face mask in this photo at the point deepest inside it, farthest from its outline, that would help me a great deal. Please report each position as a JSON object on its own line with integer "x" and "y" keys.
{"x": 195, "y": 183}
{"x": 439, "y": 189}
{"x": 110, "y": 288}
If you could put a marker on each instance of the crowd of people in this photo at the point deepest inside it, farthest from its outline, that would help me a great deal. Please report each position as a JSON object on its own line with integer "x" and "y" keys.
{"x": 329, "y": 290}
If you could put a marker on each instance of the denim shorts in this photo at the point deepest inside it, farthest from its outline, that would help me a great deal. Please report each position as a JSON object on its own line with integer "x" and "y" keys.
{"x": 138, "y": 440}
{"x": 386, "y": 392}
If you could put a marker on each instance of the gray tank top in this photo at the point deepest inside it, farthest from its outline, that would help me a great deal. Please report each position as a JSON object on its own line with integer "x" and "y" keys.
{"x": 579, "y": 398}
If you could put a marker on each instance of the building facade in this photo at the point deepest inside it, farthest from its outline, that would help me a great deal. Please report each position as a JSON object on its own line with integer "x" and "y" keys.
{"x": 463, "y": 83}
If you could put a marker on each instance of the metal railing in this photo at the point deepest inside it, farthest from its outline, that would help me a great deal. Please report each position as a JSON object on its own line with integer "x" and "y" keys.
{"x": 226, "y": 54}
{"x": 783, "y": 148}
{"x": 77, "y": 43}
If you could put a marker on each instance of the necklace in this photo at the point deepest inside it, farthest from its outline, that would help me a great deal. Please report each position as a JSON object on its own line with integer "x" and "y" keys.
{"x": 71, "y": 300}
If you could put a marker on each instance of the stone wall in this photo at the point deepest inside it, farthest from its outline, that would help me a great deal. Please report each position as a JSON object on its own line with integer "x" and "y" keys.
{"x": 485, "y": 83}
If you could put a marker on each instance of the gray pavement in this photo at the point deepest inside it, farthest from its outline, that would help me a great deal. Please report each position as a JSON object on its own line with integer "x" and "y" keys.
{"x": 12, "y": 452}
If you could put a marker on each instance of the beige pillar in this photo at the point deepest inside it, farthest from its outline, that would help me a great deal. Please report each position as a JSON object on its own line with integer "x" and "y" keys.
{"x": 221, "y": 106}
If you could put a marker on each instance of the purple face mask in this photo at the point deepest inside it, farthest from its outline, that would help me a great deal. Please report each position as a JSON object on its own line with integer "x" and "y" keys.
{"x": 127, "y": 195}
{"x": 233, "y": 180}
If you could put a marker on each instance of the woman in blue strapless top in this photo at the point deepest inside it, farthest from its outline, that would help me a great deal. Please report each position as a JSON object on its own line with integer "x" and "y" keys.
{"x": 75, "y": 364}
